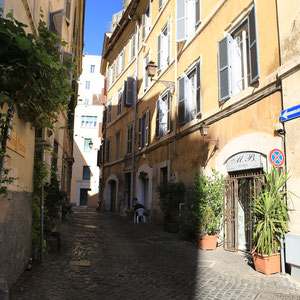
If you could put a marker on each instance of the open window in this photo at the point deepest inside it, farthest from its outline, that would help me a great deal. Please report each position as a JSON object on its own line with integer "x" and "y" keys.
{"x": 144, "y": 130}
{"x": 238, "y": 62}
{"x": 56, "y": 19}
{"x": 163, "y": 115}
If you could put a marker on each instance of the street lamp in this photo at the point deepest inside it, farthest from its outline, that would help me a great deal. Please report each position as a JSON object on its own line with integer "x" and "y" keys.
{"x": 91, "y": 144}
{"x": 151, "y": 71}
{"x": 204, "y": 131}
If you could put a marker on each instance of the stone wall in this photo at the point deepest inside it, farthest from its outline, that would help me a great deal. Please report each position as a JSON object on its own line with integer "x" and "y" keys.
{"x": 15, "y": 235}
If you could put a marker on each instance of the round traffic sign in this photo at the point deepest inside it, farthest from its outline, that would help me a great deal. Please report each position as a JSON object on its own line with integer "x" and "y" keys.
{"x": 276, "y": 157}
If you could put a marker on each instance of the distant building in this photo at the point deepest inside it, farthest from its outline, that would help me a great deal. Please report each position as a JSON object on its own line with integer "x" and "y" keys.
{"x": 87, "y": 133}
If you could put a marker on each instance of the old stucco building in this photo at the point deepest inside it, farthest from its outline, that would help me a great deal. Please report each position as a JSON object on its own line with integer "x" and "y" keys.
{"x": 65, "y": 18}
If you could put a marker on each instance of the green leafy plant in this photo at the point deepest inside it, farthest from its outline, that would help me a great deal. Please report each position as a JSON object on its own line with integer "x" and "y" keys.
{"x": 271, "y": 212}
{"x": 171, "y": 194}
{"x": 204, "y": 215}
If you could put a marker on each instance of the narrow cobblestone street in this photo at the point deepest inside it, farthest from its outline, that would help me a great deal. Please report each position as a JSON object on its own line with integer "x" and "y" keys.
{"x": 104, "y": 256}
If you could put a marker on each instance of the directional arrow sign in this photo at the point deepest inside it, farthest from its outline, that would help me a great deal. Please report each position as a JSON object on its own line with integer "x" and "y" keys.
{"x": 290, "y": 113}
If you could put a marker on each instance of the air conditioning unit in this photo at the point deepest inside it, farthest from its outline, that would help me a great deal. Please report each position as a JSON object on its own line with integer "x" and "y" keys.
{"x": 44, "y": 136}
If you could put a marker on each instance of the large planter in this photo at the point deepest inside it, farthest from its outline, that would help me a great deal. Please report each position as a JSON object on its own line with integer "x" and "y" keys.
{"x": 266, "y": 264}
{"x": 207, "y": 242}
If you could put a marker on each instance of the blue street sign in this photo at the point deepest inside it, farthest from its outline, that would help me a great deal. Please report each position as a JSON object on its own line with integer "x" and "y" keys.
{"x": 290, "y": 113}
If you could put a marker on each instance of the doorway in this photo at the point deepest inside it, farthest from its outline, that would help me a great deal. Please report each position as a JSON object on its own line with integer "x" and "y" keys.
{"x": 238, "y": 216}
{"x": 84, "y": 197}
{"x": 127, "y": 203}
{"x": 112, "y": 196}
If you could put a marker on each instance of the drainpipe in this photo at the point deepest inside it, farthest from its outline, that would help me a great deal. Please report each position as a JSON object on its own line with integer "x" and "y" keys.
{"x": 134, "y": 120}
{"x": 176, "y": 75}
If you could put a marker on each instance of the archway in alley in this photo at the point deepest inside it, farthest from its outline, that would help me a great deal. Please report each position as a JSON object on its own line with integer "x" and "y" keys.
{"x": 112, "y": 186}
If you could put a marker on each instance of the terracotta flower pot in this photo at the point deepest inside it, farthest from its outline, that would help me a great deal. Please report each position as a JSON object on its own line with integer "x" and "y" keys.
{"x": 266, "y": 264}
{"x": 207, "y": 242}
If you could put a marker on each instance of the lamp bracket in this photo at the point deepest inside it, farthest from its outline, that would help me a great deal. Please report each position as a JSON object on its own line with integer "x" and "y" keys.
{"x": 168, "y": 84}
{"x": 212, "y": 141}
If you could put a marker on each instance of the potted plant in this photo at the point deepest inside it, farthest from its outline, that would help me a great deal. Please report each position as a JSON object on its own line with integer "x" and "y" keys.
{"x": 171, "y": 194}
{"x": 205, "y": 212}
{"x": 271, "y": 222}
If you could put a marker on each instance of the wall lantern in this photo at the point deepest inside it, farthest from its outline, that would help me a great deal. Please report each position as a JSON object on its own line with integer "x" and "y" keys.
{"x": 204, "y": 131}
{"x": 91, "y": 144}
{"x": 151, "y": 71}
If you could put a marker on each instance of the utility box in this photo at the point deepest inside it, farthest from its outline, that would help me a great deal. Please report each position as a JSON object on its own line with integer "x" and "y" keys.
{"x": 292, "y": 253}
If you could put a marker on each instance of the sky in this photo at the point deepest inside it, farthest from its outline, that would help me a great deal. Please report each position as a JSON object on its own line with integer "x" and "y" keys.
{"x": 98, "y": 13}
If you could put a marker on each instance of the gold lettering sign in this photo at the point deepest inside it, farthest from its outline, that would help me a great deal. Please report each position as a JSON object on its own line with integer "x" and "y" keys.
{"x": 12, "y": 143}
{"x": 21, "y": 146}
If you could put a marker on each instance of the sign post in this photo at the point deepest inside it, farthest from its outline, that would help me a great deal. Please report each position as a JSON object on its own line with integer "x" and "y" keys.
{"x": 276, "y": 157}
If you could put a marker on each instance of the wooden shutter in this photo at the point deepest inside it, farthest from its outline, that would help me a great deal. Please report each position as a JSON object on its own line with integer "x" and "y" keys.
{"x": 159, "y": 51}
{"x": 169, "y": 41}
{"x": 143, "y": 26}
{"x": 129, "y": 99}
{"x": 253, "y": 46}
{"x": 224, "y": 69}
{"x": 68, "y": 10}
{"x": 181, "y": 101}
{"x": 159, "y": 4}
{"x": 197, "y": 12}
{"x": 124, "y": 92}
{"x": 147, "y": 128}
{"x": 169, "y": 120}
{"x": 56, "y": 20}
{"x": 198, "y": 91}
{"x": 157, "y": 119}
{"x": 140, "y": 133}
{"x": 181, "y": 20}
{"x": 123, "y": 60}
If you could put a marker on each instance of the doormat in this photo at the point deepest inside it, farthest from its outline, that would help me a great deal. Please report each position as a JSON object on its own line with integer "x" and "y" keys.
{"x": 272, "y": 296}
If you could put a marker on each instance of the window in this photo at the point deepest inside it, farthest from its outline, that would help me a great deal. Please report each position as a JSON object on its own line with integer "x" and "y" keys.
{"x": 92, "y": 69}
{"x": 118, "y": 145}
{"x": 86, "y": 145}
{"x": 56, "y": 20}
{"x": 87, "y": 85}
{"x": 238, "y": 62}
{"x": 89, "y": 121}
{"x": 120, "y": 62}
{"x": 107, "y": 150}
{"x": 144, "y": 129}
{"x": 146, "y": 78}
{"x": 2, "y": 3}
{"x": 129, "y": 139}
{"x": 109, "y": 111}
{"x": 86, "y": 174}
{"x": 163, "y": 47}
{"x": 189, "y": 95}
{"x": 129, "y": 91}
{"x": 188, "y": 18}
{"x": 119, "y": 107}
{"x": 111, "y": 75}
{"x": 163, "y": 175}
{"x": 163, "y": 116}
{"x": 132, "y": 47}
{"x": 68, "y": 11}
{"x": 86, "y": 101}
{"x": 146, "y": 23}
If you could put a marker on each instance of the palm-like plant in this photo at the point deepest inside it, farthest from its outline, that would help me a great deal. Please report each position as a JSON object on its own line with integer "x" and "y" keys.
{"x": 271, "y": 213}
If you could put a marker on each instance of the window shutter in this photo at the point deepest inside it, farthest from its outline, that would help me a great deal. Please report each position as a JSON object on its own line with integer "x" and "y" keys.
{"x": 140, "y": 133}
{"x": 197, "y": 12}
{"x": 169, "y": 121}
{"x": 118, "y": 65}
{"x": 68, "y": 10}
{"x": 56, "y": 20}
{"x": 123, "y": 59}
{"x": 159, "y": 4}
{"x": 223, "y": 68}
{"x": 146, "y": 78}
{"x": 143, "y": 26}
{"x": 181, "y": 20}
{"x": 198, "y": 91}
{"x": 158, "y": 52}
{"x": 129, "y": 98}
{"x": 147, "y": 126}
{"x": 124, "y": 92}
{"x": 157, "y": 120}
{"x": 253, "y": 45}
{"x": 181, "y": 101}
{"x": 169, "y": 41}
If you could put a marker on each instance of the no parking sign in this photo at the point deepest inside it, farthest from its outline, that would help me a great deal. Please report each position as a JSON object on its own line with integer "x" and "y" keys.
{"x": 276, "y": 157}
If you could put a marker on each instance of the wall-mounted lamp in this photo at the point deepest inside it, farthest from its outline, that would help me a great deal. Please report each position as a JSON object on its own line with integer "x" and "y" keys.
{"x": 91, "y": 144}
{"x": 204, "y": 131}
{"x": 151, "y": 71}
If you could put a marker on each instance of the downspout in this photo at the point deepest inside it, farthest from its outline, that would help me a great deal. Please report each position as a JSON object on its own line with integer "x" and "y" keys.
{"x": 134, "y": 120}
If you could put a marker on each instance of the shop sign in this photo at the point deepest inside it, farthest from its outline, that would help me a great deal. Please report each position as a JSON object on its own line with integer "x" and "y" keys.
{"x": 244, "y": 161}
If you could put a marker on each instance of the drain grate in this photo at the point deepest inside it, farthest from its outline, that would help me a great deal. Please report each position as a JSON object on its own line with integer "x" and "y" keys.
{"x": 272, "y": 296}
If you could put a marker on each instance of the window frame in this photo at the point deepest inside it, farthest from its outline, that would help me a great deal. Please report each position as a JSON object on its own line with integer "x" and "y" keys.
{"x": 84, "y": 173}
{"x": 162, "y": 60}
{"x": 92, "y": 69}
{"x": 107, "y": 149}
{"x": 109, "y": 111}
{"x": 144, "y": 129}
{"x": 158, "y": 128}
{"x": 119, "y": 104}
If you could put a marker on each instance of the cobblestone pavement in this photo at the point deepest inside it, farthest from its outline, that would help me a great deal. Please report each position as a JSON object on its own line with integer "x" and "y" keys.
{"x": 105, "y": 257}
